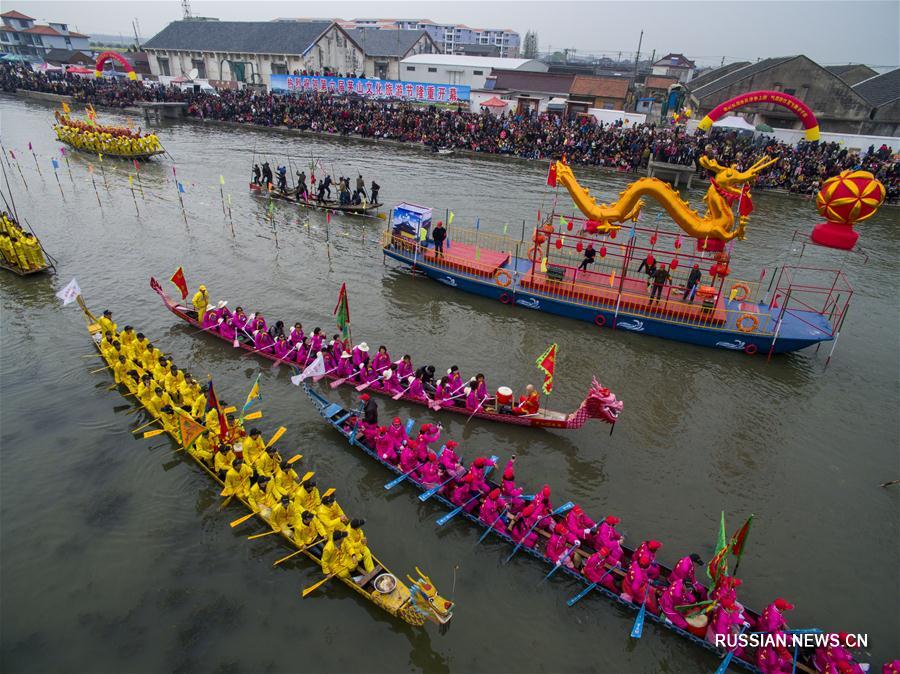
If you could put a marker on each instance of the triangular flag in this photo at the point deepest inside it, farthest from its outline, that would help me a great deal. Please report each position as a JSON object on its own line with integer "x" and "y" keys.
{"x": 551, "y": 175}
{"x": 450, "y": 219}
{"x": 612, "y": 278}
{"x": 252, "y": 397}
{"x": 190, "y": 430}
{"x": 55, "y": 164}
{"x": 546, "y": 362}
{"x": 69, "y": 293}
{"x": 314, "y": 369}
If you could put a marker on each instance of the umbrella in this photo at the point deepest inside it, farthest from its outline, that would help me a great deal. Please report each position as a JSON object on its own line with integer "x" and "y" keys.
{"x": 764, "y": 128}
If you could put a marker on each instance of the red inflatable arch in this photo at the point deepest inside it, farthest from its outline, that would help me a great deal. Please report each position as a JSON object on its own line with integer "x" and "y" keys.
{"x": 106, "y": 56}
{"x": 795, "y": 105}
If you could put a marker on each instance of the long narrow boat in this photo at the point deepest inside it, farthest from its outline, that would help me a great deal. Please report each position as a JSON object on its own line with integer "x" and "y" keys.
{"x": 19, "y": 264}
{"x": 343, "y": 420}
{"x": 599, "y": 403}
{"x": 414, "y": 604}
{"x": 367, "y": 210}
{"x": 800, "y": 306}
{"x": 93, "y": 138}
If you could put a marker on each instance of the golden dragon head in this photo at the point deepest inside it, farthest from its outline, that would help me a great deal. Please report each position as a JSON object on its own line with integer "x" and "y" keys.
{"x": 426, "y": 600}
{"x": 730, "y": 179}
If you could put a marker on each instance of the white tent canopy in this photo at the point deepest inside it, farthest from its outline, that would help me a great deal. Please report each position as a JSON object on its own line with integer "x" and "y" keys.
{"x": 735, "y": 122}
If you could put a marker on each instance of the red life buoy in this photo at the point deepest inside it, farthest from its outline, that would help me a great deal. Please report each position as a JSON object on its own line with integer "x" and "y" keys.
{"x": 505, "y": 298}
{"x": 750, "y": 349}
{"x": 600, "y": 320}
{"x": 503, "y": 279}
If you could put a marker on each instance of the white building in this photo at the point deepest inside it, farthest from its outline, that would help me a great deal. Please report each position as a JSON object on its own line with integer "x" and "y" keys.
{"x": 19, "y": 35}
{"x": 471, "y": 71}
{"x": 678, "y": 66}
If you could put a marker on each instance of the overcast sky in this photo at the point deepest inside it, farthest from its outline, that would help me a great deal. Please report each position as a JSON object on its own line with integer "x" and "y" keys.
{"x": 829, "y": 32}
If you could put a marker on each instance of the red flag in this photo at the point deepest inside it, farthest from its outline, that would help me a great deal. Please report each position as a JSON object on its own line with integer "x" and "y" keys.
{"x": 178, "y": 280}
{"x": 136, "y": 167}
{"x": 212, "y": 403}
{"x": 746, "y": 205}
{"x": 547, "y": 363}
{"x": 551, "y": 175}
{"x": 739, "y": 539}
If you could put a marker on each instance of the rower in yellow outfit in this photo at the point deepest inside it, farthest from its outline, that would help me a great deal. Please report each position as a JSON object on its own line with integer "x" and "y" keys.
{"x": 261, "y": 498}
{"x": 253, "y": 446}
{"x": 330, "y": 513}
{"x": 200, "y": 302}
{"x": 237, "y": 480}
{"x": 202, "y": 448}
{"x": 336, "y": 558}
{"x": 279, "y": 519}
{"x": 267, "y": 462}
{"x": 106, "y": 322}
{"x": 286, "y": 479}
{"x": 308, "y": 494}
{"x": 120, "y": 369}
{"x": 211, "y": 421}
{"x": 358, "y": 545}
{"x": 308, "y": 529}
{"x": 167, "y": 418}
{"x": 157, "y": 401}
{"x": 224, "y": 459}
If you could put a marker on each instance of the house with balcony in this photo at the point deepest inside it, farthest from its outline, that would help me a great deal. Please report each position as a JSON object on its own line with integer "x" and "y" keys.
{"x": 24, "y": 40}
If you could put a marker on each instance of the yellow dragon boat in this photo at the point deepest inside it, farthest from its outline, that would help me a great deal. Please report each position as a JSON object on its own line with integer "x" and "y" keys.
{"x": 415, "y": 604}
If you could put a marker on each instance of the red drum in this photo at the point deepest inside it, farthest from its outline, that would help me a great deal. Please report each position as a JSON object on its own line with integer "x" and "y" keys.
{"x": 504, "y": 396}
{"x": 697, "y": 625}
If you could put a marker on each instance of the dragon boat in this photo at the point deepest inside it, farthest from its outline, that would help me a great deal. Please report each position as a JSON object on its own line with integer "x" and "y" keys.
{"x": 27, "y": 259}
{"x": 120, "y": 142}
{"x": 344, "y": 421}
{"x": 784, "y": 309}
{"x": 600, "y": 403}
{"x": 415, "y": 604}
{"x": 366, "y": 209}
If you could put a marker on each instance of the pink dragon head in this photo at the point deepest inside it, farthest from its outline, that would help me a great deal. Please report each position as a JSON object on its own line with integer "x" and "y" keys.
{"x": 600, "y": 403}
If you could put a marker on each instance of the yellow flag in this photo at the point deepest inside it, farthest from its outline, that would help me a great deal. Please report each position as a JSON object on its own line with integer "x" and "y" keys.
{"x": 544, "y": 265}
{"x": 65, "y": 107}
{"x": 450, "y": 219}
{"x": 130, "y": 180}
{"x": 221, "y": 180}
{"x": 612, "y": 278}
{"x": 732, "y": 294}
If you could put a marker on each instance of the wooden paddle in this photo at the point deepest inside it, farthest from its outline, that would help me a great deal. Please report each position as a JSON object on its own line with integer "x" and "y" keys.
{"x": 226, "y": 502}
{"x": 294, "y": 554}
{"x": 152, "y": 421}
{"x": 281, "y": 431}
{"x": 254, "y": 415}
{"x": 229, "y": 410}
{"x": 267, "y": 533}
{"x": 638, "y": 628}
{"x": 313, "y": 588}
{"x": 153, "y": 434}
{"x": 294, "y": 459}
{"x": 240, "y": 520}
{"x": 100, "y": 369}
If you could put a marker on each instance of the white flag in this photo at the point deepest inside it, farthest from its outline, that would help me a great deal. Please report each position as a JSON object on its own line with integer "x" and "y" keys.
{"x": 315, "y": 369}
{"x": 69, "y": 293}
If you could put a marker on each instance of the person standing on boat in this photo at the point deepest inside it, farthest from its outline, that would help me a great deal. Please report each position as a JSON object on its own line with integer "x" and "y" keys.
{"x": 302, "y": 192}
{"x": 439, "y": 235}
{"x": 282, "y": 179}
{"x": 373, "y": 192}
{"x": 256, "y": 174}
{"x": 361, "y": 186}
{"x": 267, "y": 174}
{"x": 661, "y": 277}
{"x": 370, "y": 409}
{"x": 200, "y": 302}
{"x": 648, "y": 265}
{"x": 589, "y": 255}
{"x": 693, "y": 280}
{"x": 320, "y": 193}
{"x": 326, "y": 183}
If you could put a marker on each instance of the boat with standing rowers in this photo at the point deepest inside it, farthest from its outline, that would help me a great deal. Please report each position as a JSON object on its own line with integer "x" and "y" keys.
{"x": 675, "y": 285}
{"x": 600, "y": 403}
{"x": 21, "y": 252}
{"x": 699, "y": 625}
{"x": 364, "y": 209}
{"x": 415, "y": 604}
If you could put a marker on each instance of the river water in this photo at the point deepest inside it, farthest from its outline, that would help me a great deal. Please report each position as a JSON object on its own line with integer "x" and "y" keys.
{"x": 115, "y": 557}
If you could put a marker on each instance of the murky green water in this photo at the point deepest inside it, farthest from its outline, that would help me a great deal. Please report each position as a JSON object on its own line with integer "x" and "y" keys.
{"x": 115, "y": 557}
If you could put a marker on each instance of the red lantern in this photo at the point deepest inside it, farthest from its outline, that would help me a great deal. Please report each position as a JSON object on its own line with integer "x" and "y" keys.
{"x": 569, "y": 226}
{"x": 653, "y": 240}
{"x": 845, "y": 199}
{"x": 612, "y": 234}
{"x": 602, "y": 251}
{"x": 579, "y": 246}
{"x": 559, "y": 244}
{"x": 674, "y": 264}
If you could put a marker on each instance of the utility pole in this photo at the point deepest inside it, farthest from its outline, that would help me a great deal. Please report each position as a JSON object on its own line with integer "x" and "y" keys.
{"x": 637, "y": 56}
{"x": 137, "y": 36}
{"x": 722, "y": 62}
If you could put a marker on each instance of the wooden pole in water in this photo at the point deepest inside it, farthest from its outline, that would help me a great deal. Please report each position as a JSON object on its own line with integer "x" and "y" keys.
{"x": 62, "y": 151}
{"x": 134, "y": 198}
{"x": 94, "y": 182}
{"x": 8, "y": 189}
{"x": 35, "y": 159}
{"x": 103, "y": 171}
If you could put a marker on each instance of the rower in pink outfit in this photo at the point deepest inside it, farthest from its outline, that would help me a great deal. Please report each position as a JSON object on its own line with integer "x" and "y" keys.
{"x": 542, "y": 501}
{"x": 837, "y": 659}
{"x": 397, "y": 432}
{"x": 472, "y": 402}
{"x": 405, "y": 367}
{"x": 283, "y": 348}
{"x": 774, "y": 660}
{"x": 382, "y": 359}
{"x": 636, "y": 585}
{"x": 463, "y": 489}
{"x": 429, "y": 434}
{"x": 360, "y": 353}
{"x": 491, "y": 509}
{"x": 728, "y": 618}
{"x": 449, "y": 459}
{"x": 263, "y": 342}
{"x": 454, "y": 379}
{"x": 607, "y": 534}
{"x": 385, "y": 447}
{"x": 429, "y": 472}
{"x": 478, "y": 468}
{"x": 239, "y": 318}
{"x": 511, "y": 493}
{"x": 296, "y": 334}
{"x": 596, "y": 569}
{"x": 317, "y": 340}
{"x": 409, "y": 456}
{"x": 227, "y": 331}
{"x": 579, "y": 523}
{"x": 344, "y": 369}
{"x": 521, "y": 530}
{"x": 672, "y": 596}
{"x": 415, "y": 388}
{"x": 560, "y": 541}
{"x": 772, "y": 617}
{"x": 648, "y": 549}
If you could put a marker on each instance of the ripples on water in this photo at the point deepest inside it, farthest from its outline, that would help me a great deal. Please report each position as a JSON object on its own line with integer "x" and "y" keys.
{"x": 115, "y": 556}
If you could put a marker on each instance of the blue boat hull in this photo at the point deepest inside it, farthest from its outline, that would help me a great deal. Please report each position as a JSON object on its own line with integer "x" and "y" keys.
{"x": 798, "y": 331}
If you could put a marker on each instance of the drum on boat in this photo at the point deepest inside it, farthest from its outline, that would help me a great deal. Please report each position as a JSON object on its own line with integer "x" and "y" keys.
{"x": 697, "y": 625}
{"x": 504, "y": 395}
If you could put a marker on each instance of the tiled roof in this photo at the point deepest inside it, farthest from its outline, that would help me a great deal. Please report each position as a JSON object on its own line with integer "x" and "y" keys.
{"x": 15, "y": 15}
{"x": 659, "y": 82}
{"x": 880, "y": 89}
{"x": 250, "y": 37}
{"x": 393, "y": 43}
{"x": 677, "y": 60}
{"x": 605, "y": 87}
{"x": 737, "y": 75}
{"x": 42, "y": 30}
{"x": 525, "y": 81}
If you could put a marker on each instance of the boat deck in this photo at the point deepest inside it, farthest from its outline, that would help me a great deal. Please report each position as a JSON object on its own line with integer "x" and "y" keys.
{"x": 469, "y": 259}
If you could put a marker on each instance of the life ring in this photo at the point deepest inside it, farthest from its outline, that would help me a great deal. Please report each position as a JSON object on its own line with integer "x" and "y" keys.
{"x": 740, "y": 285}
{"x": 505, "y": 298}
{"x": 503, "y": 278}
{"x": 750, "y": 349}
{"x": 534, "y": 254}
{"x": 754, "y": 323}
{"x": 600, "y": 320}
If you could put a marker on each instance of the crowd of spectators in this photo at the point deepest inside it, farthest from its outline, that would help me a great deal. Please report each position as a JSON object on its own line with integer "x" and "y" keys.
{"x": 801, "y": 168}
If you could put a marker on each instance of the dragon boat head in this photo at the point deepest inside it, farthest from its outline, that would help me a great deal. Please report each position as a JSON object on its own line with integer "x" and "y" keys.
{"x": 730, "y": 179}
{"x": 600, "y": 403}
{"x": 425, "y": 600}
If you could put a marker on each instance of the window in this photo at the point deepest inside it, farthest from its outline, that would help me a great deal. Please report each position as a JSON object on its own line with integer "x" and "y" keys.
{"x": 3, "y": 37}
{"x": 279, "y": 69}
{"x": 68, "y": 42}
{"x": 200, "y": 66}
{"x": 411, "y": 69}
{"x": 163, "y": 66}
{"x": 478, "y": 72}
{"x": 432, "y": 70}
